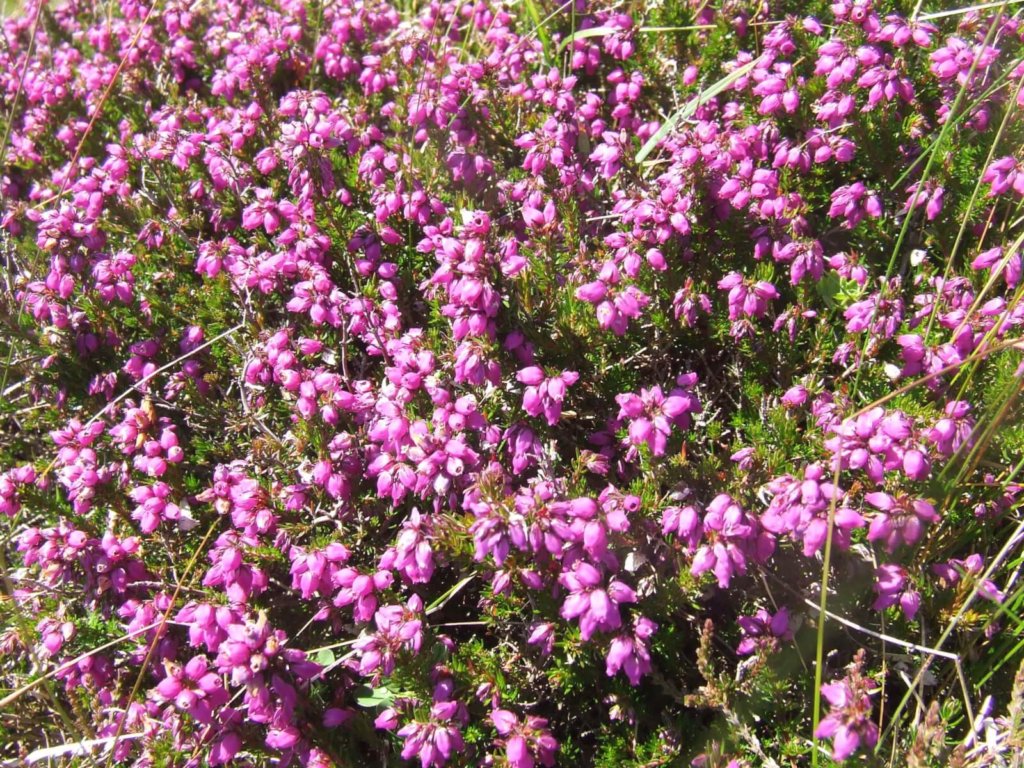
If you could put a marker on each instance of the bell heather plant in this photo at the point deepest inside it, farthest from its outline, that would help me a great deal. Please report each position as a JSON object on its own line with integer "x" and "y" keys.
{"x": 511, "y": 384}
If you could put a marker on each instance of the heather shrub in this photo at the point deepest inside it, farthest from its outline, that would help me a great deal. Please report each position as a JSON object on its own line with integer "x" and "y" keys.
{"x": 511, "y": 383}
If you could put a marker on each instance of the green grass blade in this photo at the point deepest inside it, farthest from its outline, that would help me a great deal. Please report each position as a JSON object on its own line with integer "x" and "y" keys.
{"x": 583, "y": 34}
{"x": 692, "y": 106}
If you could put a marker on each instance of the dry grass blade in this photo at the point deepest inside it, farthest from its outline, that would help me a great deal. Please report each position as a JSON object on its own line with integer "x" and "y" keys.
{"x": 176, "y": 361}
{"x": 164, "y": 619}
{"x": 74, "y": 749}
{"x": 150, "y": 376}
{"x": 884, "y": 637}
{"x": 11, "y": 698}
{"x": 965, "y": 10}
{"x": 823, "y": 604}
{"x": 1011, "y": 543}
{"x": 18, "y": 93}
{"x": 98, "y": 110}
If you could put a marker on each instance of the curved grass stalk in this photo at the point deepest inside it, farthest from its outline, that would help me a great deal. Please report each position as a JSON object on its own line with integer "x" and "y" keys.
{"x": 997, "y": 84}
{"x": 11, "y": 698}
{"x": 989, "y": 284}
{"x": 98, "y": 110}
{"x": 21, "y": 88}
{"x": 82, "y": 729}
{"x": 823, "y": 602}
{"x": 819, "y": 651}
{"x": 932, "y": 152}
{"x": 1015, "y": 538}
{"x": 539, "y": 26}
{"x": 693, "y": 105}
{"x": 164, "y": 620}
{"x": 149, "y": 377}
{"x": 3, "y": 154}
{"x": 964, "y": 10}
{"x": 974, "y": 196}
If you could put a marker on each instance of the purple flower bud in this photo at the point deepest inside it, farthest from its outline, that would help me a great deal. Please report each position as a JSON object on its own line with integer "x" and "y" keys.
{"x": 794, "y": 397}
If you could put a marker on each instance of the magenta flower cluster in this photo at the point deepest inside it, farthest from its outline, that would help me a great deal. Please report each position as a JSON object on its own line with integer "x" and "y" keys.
{"x": 382, "y": 374}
